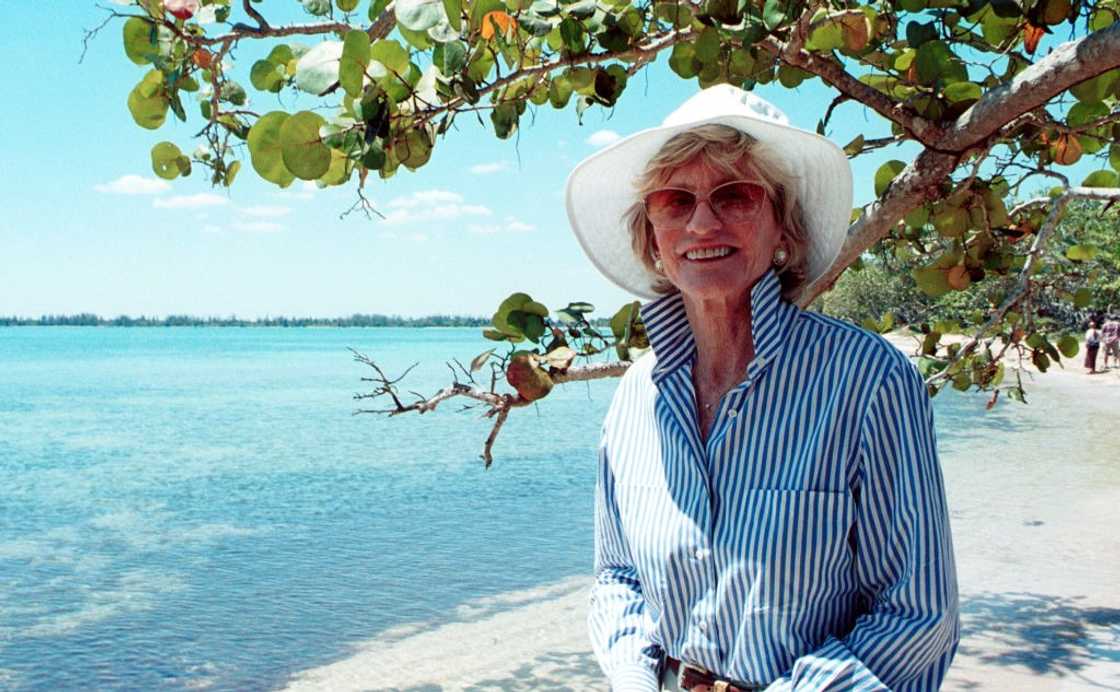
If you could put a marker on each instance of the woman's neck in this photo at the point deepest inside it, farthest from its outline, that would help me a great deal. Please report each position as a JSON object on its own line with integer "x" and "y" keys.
{"x": 721, "y": 330}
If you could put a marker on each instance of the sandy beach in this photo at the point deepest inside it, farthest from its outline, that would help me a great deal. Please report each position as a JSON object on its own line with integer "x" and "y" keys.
{"x": 1037, "y": 538}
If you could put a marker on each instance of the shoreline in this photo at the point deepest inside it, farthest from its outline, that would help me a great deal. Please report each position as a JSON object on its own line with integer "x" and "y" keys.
{"x": 1036, "y": 535}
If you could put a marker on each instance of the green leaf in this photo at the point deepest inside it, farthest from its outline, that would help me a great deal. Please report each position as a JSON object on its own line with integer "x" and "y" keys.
{"x": 304, "y": 153}
{"x": 266, "y": 76}
{"x": 962, "y": 91}
{"x": 1068, "y": 346}
{"x": 622, "y": 321}
{"x": 936, "y": 62}
{"x": 265, "y": 151}
{"x": 1102, "y": 178}
{"x": 318, "y": 8}
{"x": 1096, "y": 89}
{"x": 707, "y": 45}
{"x": 1083, "y": 113}
{"x": 1114, "y": 156}
{"x": 1081, "y": 253}
{"x": 231, "y": 173}
{"x": 560, "y": 91}
{"x": 148, "y": 102}
{"x": 141, "y": 43}
{"x": 918, "y": 34}
{"x": 951, "y": 222}
{"x": 886, "y": 174}
{"x": 531, "y": 325}
{"x": 932, "y": 281}
{"x": 453, "y": 10}
{"x": 354, "y": 60}
{"x": 317, "y": 70}
{"x": 826, "y": 37}
{"x": 391, "y": 55}
{"x": 346, "y": 5}
{"x": 165, "y": 160}
{"x": 1082, "y": 298}
{"x": 683, "y": 60}
{"x": 774, "y": 13}
{"x": 504, "y": 118}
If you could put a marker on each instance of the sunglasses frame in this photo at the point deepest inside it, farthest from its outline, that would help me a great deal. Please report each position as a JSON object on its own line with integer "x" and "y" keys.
{"x": 707, "y": 198}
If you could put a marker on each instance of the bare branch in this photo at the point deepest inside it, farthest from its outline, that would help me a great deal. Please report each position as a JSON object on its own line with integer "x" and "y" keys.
{"x": 487, "y": 456}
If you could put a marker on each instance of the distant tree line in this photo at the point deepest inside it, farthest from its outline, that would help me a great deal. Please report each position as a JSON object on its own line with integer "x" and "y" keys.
{"x": 91, "y": 320}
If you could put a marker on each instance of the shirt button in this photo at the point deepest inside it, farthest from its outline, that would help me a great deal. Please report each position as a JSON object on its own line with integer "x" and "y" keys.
{"x": 732, "y": 413}
{"x": 702, "y": 626}
{"x": 702, "y": 553}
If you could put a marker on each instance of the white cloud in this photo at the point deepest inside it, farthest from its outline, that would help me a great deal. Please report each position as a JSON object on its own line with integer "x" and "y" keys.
{"x": 264, "y": 211}
{"x": 511, "y": 224}
{"x": 134, "y": 185}
{"x": 431, "y": 205}
{"x": 425, "y": 197}
{"x": 202, "y": 199}
{"x": 603, "y": 137}
{"x": 257, "y": 226}
{"x": 488, "y": 168}
{"x": 515, "y": 225}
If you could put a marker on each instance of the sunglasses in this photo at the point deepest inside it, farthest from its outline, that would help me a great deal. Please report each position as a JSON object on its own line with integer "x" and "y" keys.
{"x": 733, "y": 202}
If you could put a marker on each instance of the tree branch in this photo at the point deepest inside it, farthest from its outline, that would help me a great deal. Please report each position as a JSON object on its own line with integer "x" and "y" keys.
{"x": 1016, "y": 294}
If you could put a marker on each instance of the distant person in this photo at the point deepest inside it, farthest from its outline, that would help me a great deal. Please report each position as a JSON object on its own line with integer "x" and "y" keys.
{"x": 770, "y": 510}
{"x": 1092, "y": 345}
{"x": 1110, "y": 338}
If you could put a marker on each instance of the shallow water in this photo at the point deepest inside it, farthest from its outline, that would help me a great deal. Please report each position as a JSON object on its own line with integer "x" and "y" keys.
{"x": 198, "y": 507}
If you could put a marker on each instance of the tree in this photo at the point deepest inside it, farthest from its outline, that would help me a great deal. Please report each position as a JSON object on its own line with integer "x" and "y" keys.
{"x": 959, "y": 78}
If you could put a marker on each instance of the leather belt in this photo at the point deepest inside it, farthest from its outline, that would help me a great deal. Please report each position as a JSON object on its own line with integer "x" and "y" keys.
{"x": 695, "y": 679}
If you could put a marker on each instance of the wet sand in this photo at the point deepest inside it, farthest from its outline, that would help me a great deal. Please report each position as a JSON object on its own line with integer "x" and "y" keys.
{"x": 1034, "y": 494}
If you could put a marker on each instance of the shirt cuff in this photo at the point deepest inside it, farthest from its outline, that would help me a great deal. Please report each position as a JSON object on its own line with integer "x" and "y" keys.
{"x": 832, "y": 667}
{"x": 635, "y": 677}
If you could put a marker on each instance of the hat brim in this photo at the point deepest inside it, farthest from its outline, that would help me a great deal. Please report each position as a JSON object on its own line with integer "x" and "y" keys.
{"x": 600, "y": 190}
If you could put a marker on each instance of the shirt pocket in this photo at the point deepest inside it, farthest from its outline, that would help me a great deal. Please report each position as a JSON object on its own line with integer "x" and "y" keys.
{"x": 796, "y": 550}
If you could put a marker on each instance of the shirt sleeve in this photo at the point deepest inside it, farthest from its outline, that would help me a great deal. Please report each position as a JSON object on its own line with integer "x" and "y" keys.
{"x": 618, "y": 618}
{"x": 904, "y": 556}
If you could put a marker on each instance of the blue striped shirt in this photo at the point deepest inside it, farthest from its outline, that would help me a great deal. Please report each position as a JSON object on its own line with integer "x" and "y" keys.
{"x": 805, "y": 545}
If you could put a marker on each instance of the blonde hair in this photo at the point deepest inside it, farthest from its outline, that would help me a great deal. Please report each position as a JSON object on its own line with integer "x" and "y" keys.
{"x": 734, "y": 152}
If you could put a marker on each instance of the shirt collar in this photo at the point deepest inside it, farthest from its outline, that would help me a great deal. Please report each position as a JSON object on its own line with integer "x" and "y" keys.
{"x": 670, "y": 334}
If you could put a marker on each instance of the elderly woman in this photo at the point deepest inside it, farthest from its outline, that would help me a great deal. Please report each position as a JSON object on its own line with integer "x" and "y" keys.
{"x": 770, "y": 511}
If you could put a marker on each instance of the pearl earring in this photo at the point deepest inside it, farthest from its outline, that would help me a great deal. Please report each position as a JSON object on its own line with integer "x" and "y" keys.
{"x": 780, "y": 257}
{"x": 658, "y": 265}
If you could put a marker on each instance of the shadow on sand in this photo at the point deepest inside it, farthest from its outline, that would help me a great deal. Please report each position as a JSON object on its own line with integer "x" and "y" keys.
{"x": 1047, "y": 635}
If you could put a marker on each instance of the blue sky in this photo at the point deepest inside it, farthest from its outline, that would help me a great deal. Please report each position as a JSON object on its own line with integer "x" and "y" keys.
{"x": 484, "y": 218}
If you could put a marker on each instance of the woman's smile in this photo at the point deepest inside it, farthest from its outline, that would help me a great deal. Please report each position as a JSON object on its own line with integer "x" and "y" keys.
{"x": 708, "y": 254}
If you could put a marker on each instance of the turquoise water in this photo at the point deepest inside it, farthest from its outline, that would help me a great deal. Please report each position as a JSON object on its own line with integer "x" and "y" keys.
{"x": 198, "y": 507}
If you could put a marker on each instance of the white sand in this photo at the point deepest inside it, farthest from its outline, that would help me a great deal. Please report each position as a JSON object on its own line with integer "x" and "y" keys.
{"x": 1037, "y": 537}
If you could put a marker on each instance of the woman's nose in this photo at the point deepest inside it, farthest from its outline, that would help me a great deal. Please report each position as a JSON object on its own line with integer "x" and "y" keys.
{"x": 703, "y": 219}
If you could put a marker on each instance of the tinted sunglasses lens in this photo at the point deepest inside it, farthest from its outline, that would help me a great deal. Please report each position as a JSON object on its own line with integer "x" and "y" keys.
{"x": 665, "y": 206}
{"x": 737, "y": 201}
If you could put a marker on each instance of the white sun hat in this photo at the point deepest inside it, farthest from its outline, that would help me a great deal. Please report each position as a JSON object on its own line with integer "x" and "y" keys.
{"x": 601, "y": 189}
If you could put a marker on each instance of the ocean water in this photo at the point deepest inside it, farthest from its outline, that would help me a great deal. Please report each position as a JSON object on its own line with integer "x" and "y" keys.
{"x": 199, "y": 508}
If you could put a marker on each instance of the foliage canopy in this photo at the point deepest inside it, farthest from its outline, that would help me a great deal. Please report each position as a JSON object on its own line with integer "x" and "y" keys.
{"x": 963, "y": 79}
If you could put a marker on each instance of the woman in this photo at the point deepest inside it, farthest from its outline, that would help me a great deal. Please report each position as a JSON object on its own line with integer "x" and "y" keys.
{"x": 769, "y": 508}
{"x": 1092, "y": 346}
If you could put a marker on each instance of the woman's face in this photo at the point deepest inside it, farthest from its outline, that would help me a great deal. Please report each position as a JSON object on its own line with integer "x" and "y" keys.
{"x": 707, "y": 258}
